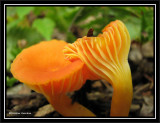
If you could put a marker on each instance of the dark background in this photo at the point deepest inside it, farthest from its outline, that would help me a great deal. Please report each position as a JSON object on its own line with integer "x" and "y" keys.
{"x": 25, "y": 28}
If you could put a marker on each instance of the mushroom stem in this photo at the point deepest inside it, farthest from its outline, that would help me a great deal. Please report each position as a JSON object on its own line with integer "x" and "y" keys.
{"x": 106, "y": 56}
{"x": 63, "y": 104}
{"x": 122, "y": 94}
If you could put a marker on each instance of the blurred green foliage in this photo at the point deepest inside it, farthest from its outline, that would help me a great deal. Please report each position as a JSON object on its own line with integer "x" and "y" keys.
{"x": 29, "y": 25}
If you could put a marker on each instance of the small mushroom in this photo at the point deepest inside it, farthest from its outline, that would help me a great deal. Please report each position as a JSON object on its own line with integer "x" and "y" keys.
{"x": 43, "y": 68}
{"x": 106, "y": 56}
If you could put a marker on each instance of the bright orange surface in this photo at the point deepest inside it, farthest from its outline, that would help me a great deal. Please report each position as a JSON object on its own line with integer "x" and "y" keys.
{"x": 42, "y": 63}
{"x": 44, "y": 69}
{"x": 106, "y": 56}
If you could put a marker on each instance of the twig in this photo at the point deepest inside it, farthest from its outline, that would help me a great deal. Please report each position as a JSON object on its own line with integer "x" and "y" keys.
{"x": 142, "y": 88}
{"x": 22, "y": 96}
{"x": 150, "y": 79}
{"x": 75, "y": 17}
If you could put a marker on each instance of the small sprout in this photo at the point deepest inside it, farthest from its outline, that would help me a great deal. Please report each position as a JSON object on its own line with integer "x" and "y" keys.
{"x": 90, "y": 32}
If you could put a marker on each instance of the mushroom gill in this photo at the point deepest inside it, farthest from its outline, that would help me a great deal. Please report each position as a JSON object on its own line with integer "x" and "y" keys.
{"x": 106, "y": 57}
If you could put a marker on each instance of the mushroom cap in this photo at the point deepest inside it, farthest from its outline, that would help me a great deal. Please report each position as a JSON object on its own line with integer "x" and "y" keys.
{"x": 44, "y": 64}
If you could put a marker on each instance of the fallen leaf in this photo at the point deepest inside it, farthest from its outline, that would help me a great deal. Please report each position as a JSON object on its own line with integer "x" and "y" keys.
{"x": 43, "y": 111}
{"x": 147, "y": 107}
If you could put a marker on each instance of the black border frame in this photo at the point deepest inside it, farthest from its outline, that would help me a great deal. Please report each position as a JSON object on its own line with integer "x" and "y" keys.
{"x": 79, "y": 2}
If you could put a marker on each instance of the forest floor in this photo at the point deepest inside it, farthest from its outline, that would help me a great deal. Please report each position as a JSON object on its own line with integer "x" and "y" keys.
{"x": 22, "y": 102}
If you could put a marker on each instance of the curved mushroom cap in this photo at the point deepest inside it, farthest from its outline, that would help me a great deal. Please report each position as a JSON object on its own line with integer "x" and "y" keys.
{"x": 43, "y": 68}
{"x": 105, "y": 54}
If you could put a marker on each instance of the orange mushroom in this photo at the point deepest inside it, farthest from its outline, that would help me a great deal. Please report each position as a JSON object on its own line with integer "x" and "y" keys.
{"x": 43, "y": 68}
{"x": 106, "y": 56}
